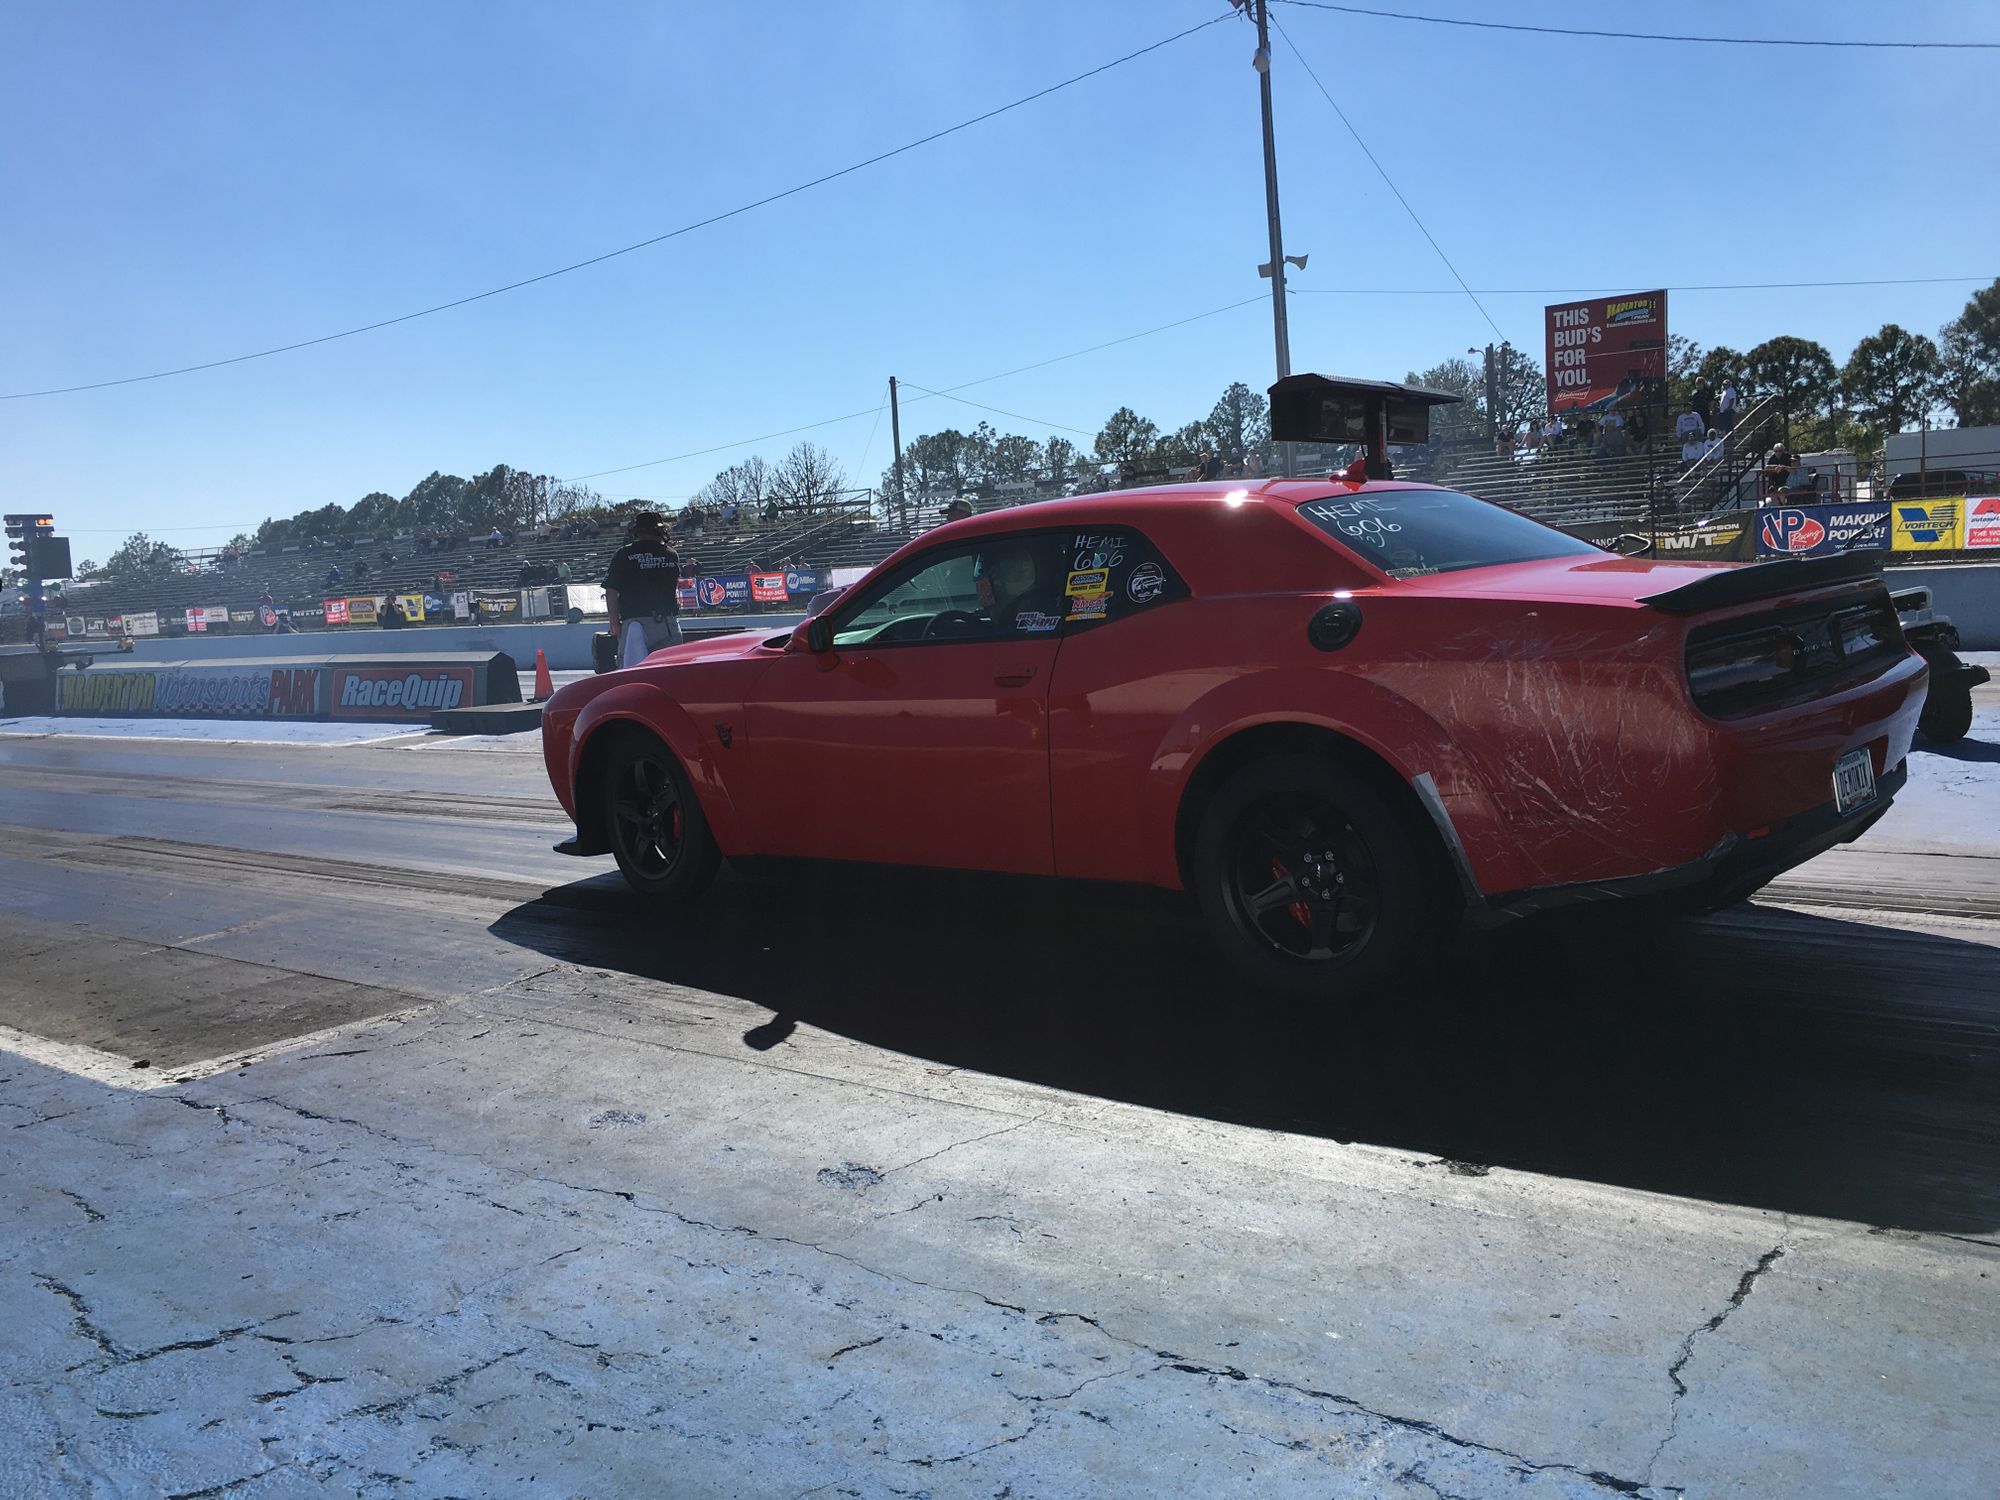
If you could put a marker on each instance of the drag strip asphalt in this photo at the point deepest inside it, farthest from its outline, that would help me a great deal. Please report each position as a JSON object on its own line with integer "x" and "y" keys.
{"x": 860, "y": 1178}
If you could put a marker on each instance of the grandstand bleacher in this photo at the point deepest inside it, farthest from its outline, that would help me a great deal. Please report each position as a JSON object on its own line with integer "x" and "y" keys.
{"x": 296, "y": 576}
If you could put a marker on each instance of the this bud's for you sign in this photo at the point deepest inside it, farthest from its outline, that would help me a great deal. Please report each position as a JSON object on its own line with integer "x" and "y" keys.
{"x": 1607, "y": 352}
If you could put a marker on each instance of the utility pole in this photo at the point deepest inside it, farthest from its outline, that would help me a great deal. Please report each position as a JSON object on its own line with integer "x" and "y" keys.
{"x": 896, "y": 437}
{"x": 1280, "y": 334}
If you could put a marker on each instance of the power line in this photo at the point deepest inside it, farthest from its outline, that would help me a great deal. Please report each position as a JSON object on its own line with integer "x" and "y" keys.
{"x": 514, "y": 286}
{"x": 1388, "y": 179}
{"x": 1642, "y": 36}
{"x": 1000, "y": 410}
{"x": 1577, "y": 291}
{"x": 963, "y": 385}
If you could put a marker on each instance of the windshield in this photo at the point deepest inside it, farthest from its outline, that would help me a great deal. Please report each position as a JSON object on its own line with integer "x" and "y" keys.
{"x": 1408, "y": 533}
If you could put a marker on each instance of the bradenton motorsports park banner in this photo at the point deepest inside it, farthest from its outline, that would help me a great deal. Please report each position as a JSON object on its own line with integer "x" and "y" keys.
{"x": 1606, "y": 352}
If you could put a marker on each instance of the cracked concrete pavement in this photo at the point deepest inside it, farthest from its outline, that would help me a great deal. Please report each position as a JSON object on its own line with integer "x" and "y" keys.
{"x": 539, "y": 1245}
{"x": 434, "y": 1184}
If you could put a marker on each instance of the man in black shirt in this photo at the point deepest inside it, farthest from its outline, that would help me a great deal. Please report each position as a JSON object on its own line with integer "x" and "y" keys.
{"x": 642, "y": 591}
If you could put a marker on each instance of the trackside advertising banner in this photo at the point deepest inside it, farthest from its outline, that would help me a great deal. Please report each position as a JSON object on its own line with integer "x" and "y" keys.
{"x": 723, "y": 590}
{"x": 1606, "y": 352}
{"x": 767, "y": 588}
{"x": 394, "y": 692}
{"x": 1814, "y": 530}
{"x": 1982, "y": 522}
{"x": 1926, "y": 525}
{"x": 222, "y": 691}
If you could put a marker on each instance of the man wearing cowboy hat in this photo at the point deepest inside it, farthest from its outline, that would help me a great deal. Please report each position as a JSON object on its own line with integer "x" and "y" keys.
{"x": 642, "y": 591}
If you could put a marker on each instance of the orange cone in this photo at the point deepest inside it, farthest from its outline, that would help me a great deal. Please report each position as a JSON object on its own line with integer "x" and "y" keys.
{"x": 544, "y": 687}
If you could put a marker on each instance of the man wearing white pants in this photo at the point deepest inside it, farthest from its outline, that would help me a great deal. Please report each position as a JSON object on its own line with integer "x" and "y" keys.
{"x": 642, "y": 591}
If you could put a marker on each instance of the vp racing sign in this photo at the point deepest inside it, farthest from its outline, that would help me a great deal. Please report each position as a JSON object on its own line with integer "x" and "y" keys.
{"x": 1814, "y": 530}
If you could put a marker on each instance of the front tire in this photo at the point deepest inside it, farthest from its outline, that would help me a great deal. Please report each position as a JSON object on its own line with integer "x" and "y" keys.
{"x": 654, "y": 822}
{"x": 1313, "y": 884}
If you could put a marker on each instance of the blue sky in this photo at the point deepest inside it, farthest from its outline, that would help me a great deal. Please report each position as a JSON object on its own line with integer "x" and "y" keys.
{"x": 192, "y": 182}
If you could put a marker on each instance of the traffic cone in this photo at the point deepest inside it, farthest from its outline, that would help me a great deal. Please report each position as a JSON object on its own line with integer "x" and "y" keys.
{"x": 544, "y": 687}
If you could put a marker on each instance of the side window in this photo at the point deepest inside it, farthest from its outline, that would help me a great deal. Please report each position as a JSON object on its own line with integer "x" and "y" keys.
{"x": 992, "y": 589}
{"x": 1113, "y": 572}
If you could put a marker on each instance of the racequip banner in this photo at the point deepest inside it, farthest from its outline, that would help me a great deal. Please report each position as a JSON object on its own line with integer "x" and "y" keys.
{"x": 1814, "y": 530}
{"x": 397, "y": 692}
{"x": 336, "y": 612}
{"x": 768, "y": 588}
{"x": 1606, "y": 352}
{"x": 1982, "y": 521}
{"x": 1926, "y": 525}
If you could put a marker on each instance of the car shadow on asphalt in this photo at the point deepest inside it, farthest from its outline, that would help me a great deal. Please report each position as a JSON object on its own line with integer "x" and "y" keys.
{"x": 1982, "y": 751}
{"x": 1764, "y": 1057}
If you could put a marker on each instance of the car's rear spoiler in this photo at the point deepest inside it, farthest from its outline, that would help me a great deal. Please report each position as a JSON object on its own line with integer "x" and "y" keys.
{"x": 1765, "y": 580}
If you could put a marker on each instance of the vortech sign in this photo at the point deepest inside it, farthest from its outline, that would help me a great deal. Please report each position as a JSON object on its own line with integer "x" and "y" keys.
{"x": 398, "y": 692}
{"x": 1925, "y": 525}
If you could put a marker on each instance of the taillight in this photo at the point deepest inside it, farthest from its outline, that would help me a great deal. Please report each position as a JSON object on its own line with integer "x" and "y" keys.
{"x": 1863, "y": 630}
{"x": 1721, "y": 668}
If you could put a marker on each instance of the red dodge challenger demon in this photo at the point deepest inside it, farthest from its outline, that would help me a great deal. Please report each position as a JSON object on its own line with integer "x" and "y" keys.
{"x": 1334, "y": 710}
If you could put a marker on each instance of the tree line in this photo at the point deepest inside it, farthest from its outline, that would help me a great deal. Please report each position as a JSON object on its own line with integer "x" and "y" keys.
{"x": 1891, "y": 380}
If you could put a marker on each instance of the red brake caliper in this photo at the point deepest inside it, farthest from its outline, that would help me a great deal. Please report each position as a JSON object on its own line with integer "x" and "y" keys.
{"x": 1298, "y": 909}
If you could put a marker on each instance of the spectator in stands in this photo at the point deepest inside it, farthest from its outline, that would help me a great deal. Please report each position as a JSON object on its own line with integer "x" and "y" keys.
{"x": 332, "y": 580}
{"x": 266, "y": 596}
{"x": 958, "y": 510}
{"x": 1690, "y": 425}
{"x": 390, "y": 616}
{"x": 642, "y": 591}
{"x": 1693, "y": 448}
{"x": 360, "y": 569}
{"x": 1716, "y": 442}
{"x": 1611, "y": 442}
{"x": 1555, "y": 431}
{"x": 562, "y": 571}
{"x": 1210, "y": 466}
{"x": 1725, "y": 408}
{"x": 494, "y": 539}
{"x": 1639, "y": 430}
{"x": 728, "y": 513}
{"x": 1779, "y": 465}
{"x": 1701, "y": 401}
{"x": 1253, "y": 465}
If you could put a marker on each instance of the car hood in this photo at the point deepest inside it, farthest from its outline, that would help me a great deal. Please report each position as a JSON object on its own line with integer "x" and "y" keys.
{"x": 715, "y": 648}
{"x": 1603, "y": 580}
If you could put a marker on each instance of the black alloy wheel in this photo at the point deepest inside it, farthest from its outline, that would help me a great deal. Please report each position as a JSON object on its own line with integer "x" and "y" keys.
{"x": 1313, "y": 883}
{"x": 657, "y": 832}
{"x": 1302, "y": 878}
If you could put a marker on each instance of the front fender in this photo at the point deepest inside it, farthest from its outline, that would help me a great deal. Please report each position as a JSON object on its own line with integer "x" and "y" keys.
{"x": 651, "y": 708}
{"x": 1397, "y": 731}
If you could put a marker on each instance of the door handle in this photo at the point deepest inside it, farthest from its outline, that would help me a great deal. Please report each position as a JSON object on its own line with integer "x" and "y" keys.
{"x": 1014, "y": 679}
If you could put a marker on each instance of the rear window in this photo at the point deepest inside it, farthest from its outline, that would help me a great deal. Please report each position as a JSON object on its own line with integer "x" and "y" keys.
{"x": 1408, "y": 533}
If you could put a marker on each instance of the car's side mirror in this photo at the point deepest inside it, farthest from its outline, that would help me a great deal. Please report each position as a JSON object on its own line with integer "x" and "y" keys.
{"x": 819, "y": 635}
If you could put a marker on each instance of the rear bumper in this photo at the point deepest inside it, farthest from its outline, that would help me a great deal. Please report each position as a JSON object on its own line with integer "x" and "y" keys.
{"x": 1735, "y": 868}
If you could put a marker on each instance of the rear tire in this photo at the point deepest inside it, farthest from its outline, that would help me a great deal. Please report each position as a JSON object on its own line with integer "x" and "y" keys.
{"x": 1313, "y": 884}
{"x": 1946, "y": 716}
{"x": 654, "y": 823}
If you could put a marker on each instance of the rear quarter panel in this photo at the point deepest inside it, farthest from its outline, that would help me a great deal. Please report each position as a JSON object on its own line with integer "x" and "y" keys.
{"x": 1558, "y": 735}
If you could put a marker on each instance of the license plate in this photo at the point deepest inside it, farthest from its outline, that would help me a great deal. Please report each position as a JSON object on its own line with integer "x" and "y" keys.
{"x": 1853, "y": 781}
